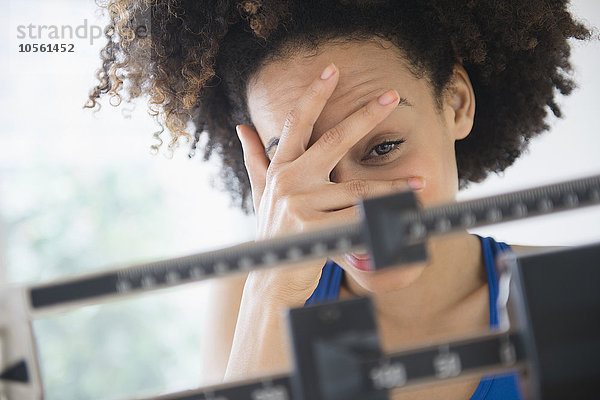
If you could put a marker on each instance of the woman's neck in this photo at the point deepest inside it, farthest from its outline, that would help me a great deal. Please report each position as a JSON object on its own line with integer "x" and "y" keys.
{"x": 453, "y": 282}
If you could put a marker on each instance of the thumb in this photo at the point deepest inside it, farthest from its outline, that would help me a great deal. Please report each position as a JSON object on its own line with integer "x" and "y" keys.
{"x": 255, "y": 160}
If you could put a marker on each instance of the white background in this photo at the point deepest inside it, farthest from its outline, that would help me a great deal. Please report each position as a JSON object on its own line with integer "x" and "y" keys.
{"x": 46, "y": 137}
{"x": 42, "y": 119}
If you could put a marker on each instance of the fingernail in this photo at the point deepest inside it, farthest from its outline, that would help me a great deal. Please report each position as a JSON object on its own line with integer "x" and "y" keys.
{"x": 416, "y": 183}
{"x": 238, "y": 130}
{"x": 328, "y": 72}
{"x": 388, "y": 97}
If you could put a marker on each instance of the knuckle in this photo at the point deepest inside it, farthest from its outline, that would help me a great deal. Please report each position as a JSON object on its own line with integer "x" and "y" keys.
{"x": 355, "y": 213}
{"x": 291, "y": 119}
{"x": 283, "y": 177}
{"x": 368, "y": 111}
{"x": 303, "y": 224}
{"x": 294, "y": 208}
{"x": 277, "y": 183}
{"x": 313, "y": 92}
{"x": 292, "y": 204}
{"x": 332, "y": 137}
{"x": 308, "y": 220}
{"x": 398, "y": 185}
{"x": 357, "y": 188}
{"x": 279, "y": 190}
{"x": 285, "y": 202}
{"x": 284, "y": 183}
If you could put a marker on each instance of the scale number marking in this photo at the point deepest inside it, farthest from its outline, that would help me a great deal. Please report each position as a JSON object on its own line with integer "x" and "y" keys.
{"x": 418, "y": 230}
{"x": 148, "y": 281}
{"x": 388, "y": 376}
{"x": 270, "y": 393}
{"x": 545, "y": 204}
{"x": 447, "y": 364}
{"x": 294, "y": 253}
{"x": 123, "y": 286}
{"x": 444, "y": 225}
{"x": 468, "y": 219}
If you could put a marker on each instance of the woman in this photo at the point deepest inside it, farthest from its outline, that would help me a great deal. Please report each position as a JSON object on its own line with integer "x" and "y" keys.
{"x": 334, "y": 101}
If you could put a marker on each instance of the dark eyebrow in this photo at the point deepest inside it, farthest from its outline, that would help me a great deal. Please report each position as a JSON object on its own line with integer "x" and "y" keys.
{"x": 403, "y": 102}
{"x": 272, "y": 142}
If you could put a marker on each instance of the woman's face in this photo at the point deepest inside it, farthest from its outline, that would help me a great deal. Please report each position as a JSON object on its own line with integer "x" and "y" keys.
{"x": 415, "y": 140}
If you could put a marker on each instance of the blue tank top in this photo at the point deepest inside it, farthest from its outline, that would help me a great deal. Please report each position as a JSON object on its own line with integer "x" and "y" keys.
{"x": 496, "y": 387}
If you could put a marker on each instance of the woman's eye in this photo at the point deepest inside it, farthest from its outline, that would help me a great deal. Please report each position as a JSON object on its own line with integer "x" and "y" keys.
{"x": 382, "y": 150}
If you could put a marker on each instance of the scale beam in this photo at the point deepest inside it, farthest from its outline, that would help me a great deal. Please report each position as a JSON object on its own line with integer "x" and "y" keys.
{"x": 554, "y": 341}
{"x": 393, "y": 229}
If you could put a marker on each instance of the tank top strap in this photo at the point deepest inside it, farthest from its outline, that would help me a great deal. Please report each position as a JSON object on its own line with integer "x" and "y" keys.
{"x": 491, "y": 249}
{"x": 328, "y": 288}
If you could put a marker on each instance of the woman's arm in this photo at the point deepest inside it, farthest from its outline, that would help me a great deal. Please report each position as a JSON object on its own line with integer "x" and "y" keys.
{"x": 261, "y": 346}
{"x": 293, "y": 193}
{"x": 222, "y": 299}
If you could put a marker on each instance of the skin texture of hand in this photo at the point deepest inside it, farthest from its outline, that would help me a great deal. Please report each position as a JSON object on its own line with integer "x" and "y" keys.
{"x": 293, "y": 193}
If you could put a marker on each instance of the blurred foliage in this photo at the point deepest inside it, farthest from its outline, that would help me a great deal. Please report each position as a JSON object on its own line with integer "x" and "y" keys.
{"x": 63, "y": 220}
{"x": 117, "y": 351}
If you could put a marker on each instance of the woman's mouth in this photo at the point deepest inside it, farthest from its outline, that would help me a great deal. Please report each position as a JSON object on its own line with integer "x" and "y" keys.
{"x": 361, "y": 262}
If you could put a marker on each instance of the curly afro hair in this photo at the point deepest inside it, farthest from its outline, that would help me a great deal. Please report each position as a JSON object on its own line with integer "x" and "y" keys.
{"x": 194, "y": 62}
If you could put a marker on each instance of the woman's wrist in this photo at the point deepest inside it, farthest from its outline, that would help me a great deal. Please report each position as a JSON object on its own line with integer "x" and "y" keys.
{"x": 260, "y": 342}
{"x": 290, "y": 287}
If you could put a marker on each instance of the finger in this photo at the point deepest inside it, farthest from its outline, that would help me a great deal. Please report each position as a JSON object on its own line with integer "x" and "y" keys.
{"x": 255, "y": 160}
{"x": 299, "y": 123}
{"x": 335, "y": 218}
{"x": 336, "y": 196}
{"x": 329, "y": 149}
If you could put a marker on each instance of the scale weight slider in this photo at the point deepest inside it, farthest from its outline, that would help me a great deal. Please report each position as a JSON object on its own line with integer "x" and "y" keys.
{"x": 385, "y": 231}
{"x": 556, "y": 303}
{"x": 330, "y": 343}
